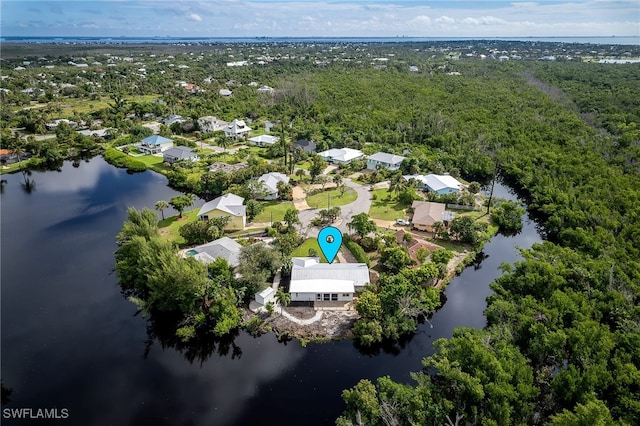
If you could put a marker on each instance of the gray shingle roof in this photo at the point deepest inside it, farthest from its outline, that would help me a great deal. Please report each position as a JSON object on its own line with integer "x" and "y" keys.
{"x": 224, "y": 247}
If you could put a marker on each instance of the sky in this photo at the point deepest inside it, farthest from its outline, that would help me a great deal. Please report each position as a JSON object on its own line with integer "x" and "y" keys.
{"x": 329, "y": 18}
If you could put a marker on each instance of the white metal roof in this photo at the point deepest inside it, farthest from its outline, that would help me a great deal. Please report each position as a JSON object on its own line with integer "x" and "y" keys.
{"x": 321, "y": 286}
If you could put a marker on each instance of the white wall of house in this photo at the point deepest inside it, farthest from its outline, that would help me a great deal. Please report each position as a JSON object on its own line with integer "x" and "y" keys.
{"x": 321, "y": 297}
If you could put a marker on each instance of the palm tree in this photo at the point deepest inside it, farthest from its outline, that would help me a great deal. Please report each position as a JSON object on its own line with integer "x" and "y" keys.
{"x": 397, "y": 183}
{"x": 161, "y": 205}
{"x": 283, "y": 299}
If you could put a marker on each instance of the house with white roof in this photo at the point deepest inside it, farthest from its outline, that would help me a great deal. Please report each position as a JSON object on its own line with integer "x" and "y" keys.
{"x": 173, "y": 118}
{"x": 222, "y": 248}
{"x": 228, "y": 205}
{"x": 270, "y": 183}
{"x": 263, "y": 140}
{"x": 225, "y": 93}
{"x": 155, "y": 144}
{"x": 265, "y": 90}
{"x": 383, "y": 160}
{"x": 440, "y": 184}
{"x": 341, "y": 155}
{"x": 312, "y": 281}
{"x": 237, "y": 129}
{"x": 210, "y": 123}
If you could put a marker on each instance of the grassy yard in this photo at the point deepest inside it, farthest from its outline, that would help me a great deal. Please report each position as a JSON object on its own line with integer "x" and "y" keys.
{"x": 170, "y": 226}
{"x": 334, "y": 197}
{"x": 275, "y": 207}
{"x": 13, "y": 167}
{"x": 154, "y": 163}
{"x": 386, "y": 210}
{"x": 303, "y": 250}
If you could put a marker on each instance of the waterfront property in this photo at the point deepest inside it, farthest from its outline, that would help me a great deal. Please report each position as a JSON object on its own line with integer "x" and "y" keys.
{"x": 312, "y": 281}
{"x": 341, "y": 155}
{"x": 440, "y": 184}
{"x": 383, "y": 160}
{"x": 222, "y": 248}
{"x": 154, "y": 144}
{"x": 426, "y": 214}
{"x": 270, "y": 184}
{"x": 228, "y": 205}
{"x": 178, "y": 153}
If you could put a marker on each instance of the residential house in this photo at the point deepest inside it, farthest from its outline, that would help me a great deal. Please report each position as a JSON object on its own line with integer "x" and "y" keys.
{"x": 7, "y": 156}
{"x": 228, "y": 205}
{"x": 237, "y": 129}
{"x": 224, "y": 248}
{"x": 426, "y": 213}
{"x": 226, "y": 168}
{"x": 270, "y": 183}
{"x": 305, "y": 145}
{"x": 324, "y": 283}
{"x": 383, "y": 160}
{"x": 178, "y": 153}
{"x": 268, "y": 126}
{"x": 210, "y": 123}
{"x": 174, "y": 118}
{"x": 263, "y": 140}
{"x": 155, "y": 144}
{"x": 440, "y": 184}
{"x": 225, "y": 93}
{"x": 100, "y": 133}
{"x": 53, "y": 125}
{"x": 266, "y": 90}
{"x": 341, "y": 155}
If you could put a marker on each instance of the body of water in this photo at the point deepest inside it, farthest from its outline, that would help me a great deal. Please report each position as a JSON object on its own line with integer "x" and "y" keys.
{"x": 71, "y": 340}
{"x": 630, "y": 40}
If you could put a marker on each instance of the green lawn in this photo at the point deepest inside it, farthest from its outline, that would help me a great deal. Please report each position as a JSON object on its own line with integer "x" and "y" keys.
{"x": 386, "y": 210}
{"x": 275, "y": 207}
{"x": 303, "y": 250}
{"x": 170, "y": 226}
{"x": 13, "y": 167}
{"x": 333, "y": 196}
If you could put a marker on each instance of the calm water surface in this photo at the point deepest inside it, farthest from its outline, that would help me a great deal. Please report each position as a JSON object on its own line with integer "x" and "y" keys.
{"x": 70, "y": 340}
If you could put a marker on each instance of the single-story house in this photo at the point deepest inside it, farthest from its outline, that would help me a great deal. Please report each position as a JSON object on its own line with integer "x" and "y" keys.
{"x": 210, "y": 123}
{"x": 383, "y": 160}
{"x": 7, "y": 156}
{"x": 53, "y": 125}
{"x": 225, "y": 93}
{"x": 237, "y": 129}
{"x": 228, "y": 205}
{"x": 270, "y": 183}
{"x": 226, "y": 168}
{"x": 305, "y": 145}
{"x": 173, "y": 118}
{"x": 312, "y": 281}
{"x": 263, "y": 140}
{"x": 440, "y": 184}
{"x": 265, "y": 90}
{"x": 155, "y": 144}
{"x": 425, "y": 214}
{"x": 224, "y": 248}
{"x": 341, "y": 155}
{"x": 178, "y": 153}
{"x": 100, "y": 133}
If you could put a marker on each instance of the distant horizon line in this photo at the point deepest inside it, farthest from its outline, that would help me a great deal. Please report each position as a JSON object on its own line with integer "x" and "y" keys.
{"x": 317, "y": 37}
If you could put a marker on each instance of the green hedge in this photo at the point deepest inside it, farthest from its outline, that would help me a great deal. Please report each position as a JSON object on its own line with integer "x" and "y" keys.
{"x": 120, "y": 159}
{"x": 357, "y": 251}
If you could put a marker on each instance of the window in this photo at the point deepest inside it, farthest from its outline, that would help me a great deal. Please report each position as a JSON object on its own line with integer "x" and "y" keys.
{"x": 318, "y": 297}
{"x": 334, "y": 296}
{"x": 325, "y": 296}
{"x": 346, "y": 295}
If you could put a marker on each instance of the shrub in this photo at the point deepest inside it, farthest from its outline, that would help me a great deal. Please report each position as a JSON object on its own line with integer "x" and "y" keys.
{"x": 119, "y": 159}
{"x": 357, "y": 251}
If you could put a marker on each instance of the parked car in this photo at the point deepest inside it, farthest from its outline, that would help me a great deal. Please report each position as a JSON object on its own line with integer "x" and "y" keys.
{"x": 402, "y": 222}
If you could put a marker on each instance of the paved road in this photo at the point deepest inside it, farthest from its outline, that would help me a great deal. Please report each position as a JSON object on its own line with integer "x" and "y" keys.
{"x": 362, "y": 204}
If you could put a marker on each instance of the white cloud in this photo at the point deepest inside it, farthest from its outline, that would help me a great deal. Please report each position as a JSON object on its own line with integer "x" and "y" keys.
{"x": 421, "y": 20}
{"x": 195, "y": 17}
{"x": 445, "y": 20}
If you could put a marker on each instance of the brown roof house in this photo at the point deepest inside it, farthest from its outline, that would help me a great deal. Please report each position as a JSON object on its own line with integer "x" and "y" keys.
{"x": 425, "y": 214}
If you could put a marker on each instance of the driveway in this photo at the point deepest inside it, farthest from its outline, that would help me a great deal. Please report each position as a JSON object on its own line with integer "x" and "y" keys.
{"x": 362, "y": 204}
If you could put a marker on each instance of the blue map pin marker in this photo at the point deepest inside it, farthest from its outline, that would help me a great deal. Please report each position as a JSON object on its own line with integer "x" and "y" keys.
{"x": 330, "y": 240}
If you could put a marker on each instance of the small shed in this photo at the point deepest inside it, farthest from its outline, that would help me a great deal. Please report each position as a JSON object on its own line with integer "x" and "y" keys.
{"x": 265, "y": 296}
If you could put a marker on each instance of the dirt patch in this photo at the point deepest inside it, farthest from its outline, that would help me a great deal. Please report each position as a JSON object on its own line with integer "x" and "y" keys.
{"x": 163, "y": 231}
{"x": 334, "y": 325}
